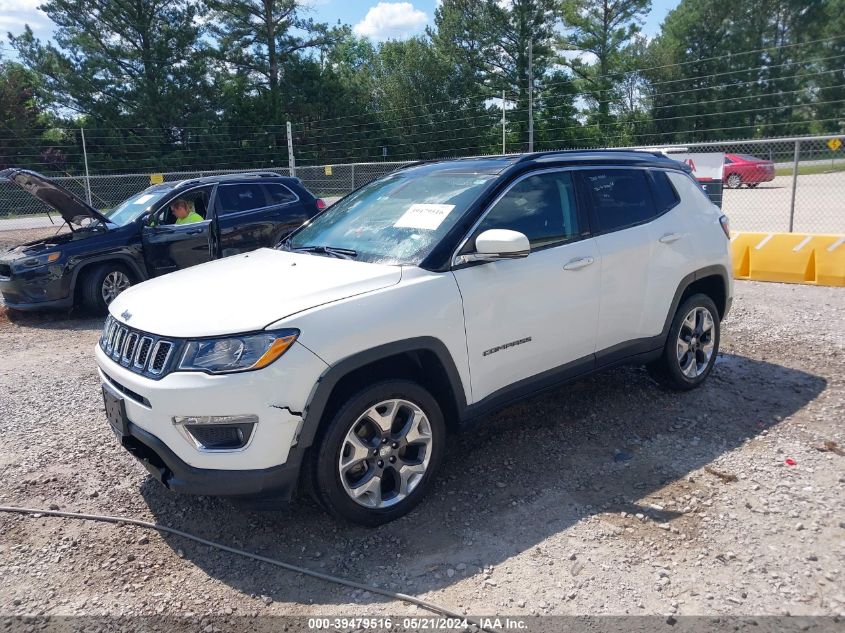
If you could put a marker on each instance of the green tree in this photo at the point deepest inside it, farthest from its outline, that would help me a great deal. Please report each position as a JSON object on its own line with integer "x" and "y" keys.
{"x": 422, "y": 106}
{"x": 490, "y": 41}
{"x": 333, "y": 107}
{"x": 556, "y": 120}
{"x": 23, "y": 122}
{"x": 601, "y": 30}
{"x": 830, "y": 77}
{"x": 138, "y": 70}
{"x": 752, "y": 69}
{"x": 263, "y": 39}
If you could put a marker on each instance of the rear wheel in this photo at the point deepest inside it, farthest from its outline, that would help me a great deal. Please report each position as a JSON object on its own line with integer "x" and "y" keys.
{"x": 691, "y": 347}
{"x": 379, "y": 453}
{"x": 102, "y": 284}
{"x": 733, "y": 181}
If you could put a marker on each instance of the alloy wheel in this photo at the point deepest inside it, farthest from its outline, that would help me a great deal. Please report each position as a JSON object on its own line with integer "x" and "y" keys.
{"x": 695, "y": 343}
{"x": 114, "y": 283}
{"x": 734, "y": 181}
{"x": 385, "y": 453}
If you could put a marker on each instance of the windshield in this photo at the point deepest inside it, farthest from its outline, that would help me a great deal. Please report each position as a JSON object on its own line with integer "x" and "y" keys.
{"x": 398, "y": 219}
{"x": 131, "y": 208}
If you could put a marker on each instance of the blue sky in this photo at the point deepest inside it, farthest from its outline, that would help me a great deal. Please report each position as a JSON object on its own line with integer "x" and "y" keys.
{"x": 377, "y": 19}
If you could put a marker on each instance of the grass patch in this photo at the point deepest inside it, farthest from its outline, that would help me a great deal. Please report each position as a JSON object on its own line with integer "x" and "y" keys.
{"x": 816, "y": 168}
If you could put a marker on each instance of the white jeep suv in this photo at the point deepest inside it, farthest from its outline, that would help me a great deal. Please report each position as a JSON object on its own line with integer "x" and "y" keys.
{"x": 345, "y": 357}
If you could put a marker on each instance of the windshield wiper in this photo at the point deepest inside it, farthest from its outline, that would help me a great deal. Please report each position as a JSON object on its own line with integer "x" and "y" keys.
{"x": 341, "y": 253}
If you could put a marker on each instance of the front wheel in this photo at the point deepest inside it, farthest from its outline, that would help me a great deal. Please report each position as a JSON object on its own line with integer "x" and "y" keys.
{"x": 102, "y": 284}
{"x": 379, "y": 453}
{"x": 734, "y": 181}
{"x": 691, "y": 347}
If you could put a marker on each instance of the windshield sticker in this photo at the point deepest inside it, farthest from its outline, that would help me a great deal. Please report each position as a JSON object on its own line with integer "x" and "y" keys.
{"x": 424, "y": 216}
{"x": 143, "y": 199}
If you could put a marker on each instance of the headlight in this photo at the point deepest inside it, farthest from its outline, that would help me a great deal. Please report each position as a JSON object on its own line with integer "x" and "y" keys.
{"x": 236, "y": 353}
{"x": 41, "y": 260}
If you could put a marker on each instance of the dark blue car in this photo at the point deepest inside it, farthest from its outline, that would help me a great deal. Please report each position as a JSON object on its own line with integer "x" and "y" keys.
{"x": 106, "y": 252}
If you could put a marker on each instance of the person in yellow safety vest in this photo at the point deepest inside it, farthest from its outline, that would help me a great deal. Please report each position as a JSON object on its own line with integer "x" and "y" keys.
{"x": 183, "y": 213}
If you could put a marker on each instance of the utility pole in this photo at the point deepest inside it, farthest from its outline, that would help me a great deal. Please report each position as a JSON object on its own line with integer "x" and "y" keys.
{"x": 504, "y": 124}
{"x": 291, "y": 161}
{"x": 85, "y": 159}
{"x": 530, "y": 95}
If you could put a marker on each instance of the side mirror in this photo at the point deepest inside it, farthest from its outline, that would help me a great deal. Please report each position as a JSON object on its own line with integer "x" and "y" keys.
{"x": 495, "y": 244}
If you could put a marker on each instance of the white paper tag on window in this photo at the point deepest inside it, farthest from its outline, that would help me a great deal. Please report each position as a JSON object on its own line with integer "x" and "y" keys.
{"x": 143, "y": 199}
{"x": 424, "y": 216}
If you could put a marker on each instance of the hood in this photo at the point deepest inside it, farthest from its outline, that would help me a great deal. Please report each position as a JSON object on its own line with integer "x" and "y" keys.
{"x": 245, "y": 293}
{"x": 72, "y": 209}
{"x": 37, "y": 247}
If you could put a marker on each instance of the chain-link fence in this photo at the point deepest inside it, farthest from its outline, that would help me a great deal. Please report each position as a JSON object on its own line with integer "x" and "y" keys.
{"x": 799, "y": 186}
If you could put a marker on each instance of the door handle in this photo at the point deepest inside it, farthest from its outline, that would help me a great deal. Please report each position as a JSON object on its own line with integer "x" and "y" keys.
{"x": 578, "y": 262}
{"x": 193, "y": 232}
{"x": 668, "y": 238}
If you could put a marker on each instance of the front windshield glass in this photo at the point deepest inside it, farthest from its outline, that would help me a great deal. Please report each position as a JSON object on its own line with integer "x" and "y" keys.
{"x": 398, "y": 219}
{"x": 131, "y": 208}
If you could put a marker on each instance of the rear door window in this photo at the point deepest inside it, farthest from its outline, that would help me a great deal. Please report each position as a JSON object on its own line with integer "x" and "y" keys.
{"x": 243, "y": 197}
{"x": 620, "y": 197}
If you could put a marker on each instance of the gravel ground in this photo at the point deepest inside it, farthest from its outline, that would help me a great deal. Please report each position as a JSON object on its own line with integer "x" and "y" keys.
{"x": 609, "y": 496}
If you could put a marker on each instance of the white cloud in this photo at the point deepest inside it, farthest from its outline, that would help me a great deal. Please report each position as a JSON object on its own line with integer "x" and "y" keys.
{"x": 391, "y": 20}
{"x": 14, "y": 14}
{"x": 19, "y": 5}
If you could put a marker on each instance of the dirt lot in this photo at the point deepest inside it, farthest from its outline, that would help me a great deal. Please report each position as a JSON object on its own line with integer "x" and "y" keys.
{"x": 602, "y": 497}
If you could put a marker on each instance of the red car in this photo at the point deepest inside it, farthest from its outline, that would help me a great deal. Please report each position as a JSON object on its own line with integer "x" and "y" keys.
{"x": 744, "y": 169}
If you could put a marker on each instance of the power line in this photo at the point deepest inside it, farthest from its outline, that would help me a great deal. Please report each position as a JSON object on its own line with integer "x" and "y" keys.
{"x": 660, "y": 67}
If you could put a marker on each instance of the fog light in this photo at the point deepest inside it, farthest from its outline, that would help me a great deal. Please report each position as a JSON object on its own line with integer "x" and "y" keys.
{"x": 217, "y": 432}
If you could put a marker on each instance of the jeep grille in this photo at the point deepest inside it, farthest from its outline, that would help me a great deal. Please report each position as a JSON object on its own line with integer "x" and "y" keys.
{"x": 140, "y": 352}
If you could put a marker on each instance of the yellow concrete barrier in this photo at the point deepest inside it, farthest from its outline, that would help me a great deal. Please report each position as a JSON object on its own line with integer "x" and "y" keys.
{"x": 789, "y": 257}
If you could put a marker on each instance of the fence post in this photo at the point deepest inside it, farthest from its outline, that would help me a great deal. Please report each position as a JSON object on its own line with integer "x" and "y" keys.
{"x": 794, "y": 184}
{"x": 530, "y": 95}
{"x": 291, "y": 162}
{"x": 353, "y": 177}
{"x": 85, "y": 160}
{"x": 504, "y": 125}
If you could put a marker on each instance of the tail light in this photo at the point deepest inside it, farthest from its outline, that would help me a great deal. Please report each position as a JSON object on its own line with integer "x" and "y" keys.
{"x": 726, "y": 226}
{"x": 321, "y": 204}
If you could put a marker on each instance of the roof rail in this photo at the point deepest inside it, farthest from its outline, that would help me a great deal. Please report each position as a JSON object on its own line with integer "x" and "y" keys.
{"x": 609, "y": 150}
{"x": 257, "y": 174}
{"x": 414, "y": 163}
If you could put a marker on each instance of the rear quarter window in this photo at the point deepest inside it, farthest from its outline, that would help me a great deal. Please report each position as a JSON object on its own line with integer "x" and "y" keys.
{"x": 665, "y": 196}
{"x": 279, "y": 194}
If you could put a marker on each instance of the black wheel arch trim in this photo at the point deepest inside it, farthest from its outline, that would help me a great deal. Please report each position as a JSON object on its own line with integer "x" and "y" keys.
{"x": 139, "y": 272}
{"x": 686, "y": 282}
{"x": 322, "y": 391}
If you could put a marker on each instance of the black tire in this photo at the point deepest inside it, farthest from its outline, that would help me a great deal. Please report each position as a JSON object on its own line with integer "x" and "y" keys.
{"x": 91, "y": 290}
{"x": 325, "y": 477}
{"x": 751, "y": 185}
{"x": 667, "y": 370}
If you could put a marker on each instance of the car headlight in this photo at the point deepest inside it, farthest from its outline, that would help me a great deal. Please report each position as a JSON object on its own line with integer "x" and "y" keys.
{"x": 41, "y": 260}
{"x": 236, "y": 353}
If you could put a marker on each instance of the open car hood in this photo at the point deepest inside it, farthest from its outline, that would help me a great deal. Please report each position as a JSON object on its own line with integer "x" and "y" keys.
{"x": 72, "y": 209}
